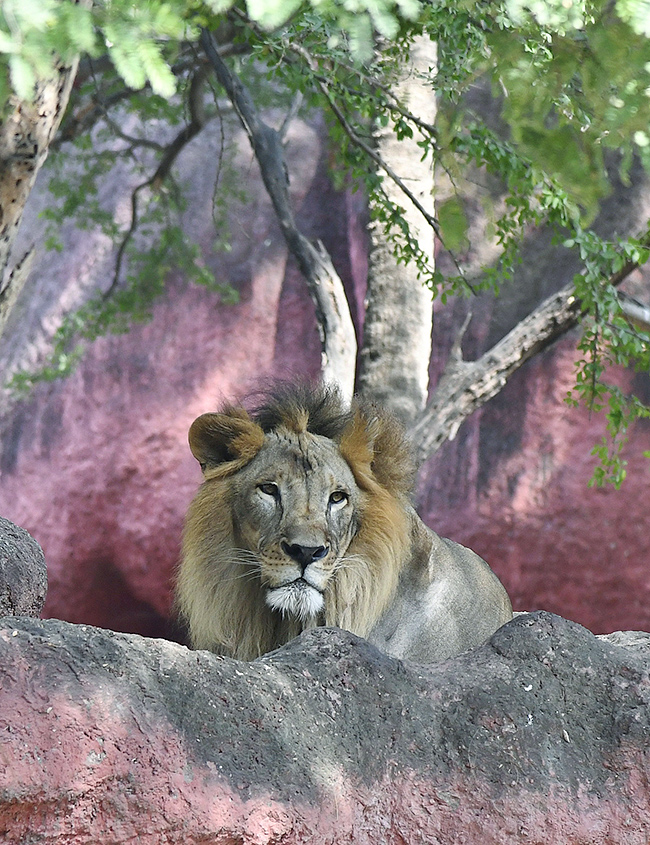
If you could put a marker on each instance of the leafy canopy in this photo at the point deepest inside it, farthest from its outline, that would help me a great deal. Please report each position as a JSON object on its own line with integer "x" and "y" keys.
{"x": 573, "y": 78}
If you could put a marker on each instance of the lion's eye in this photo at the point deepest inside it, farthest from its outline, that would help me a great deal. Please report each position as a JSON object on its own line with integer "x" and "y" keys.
{"x": 338, "y": 497}
{"x": 269, "y": 489}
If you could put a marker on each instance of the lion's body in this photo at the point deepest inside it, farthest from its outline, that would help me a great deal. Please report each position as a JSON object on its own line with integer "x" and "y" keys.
{"x": 303, "y": 520}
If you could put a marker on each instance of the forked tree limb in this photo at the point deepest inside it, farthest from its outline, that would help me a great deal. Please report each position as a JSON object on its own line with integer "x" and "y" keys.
{"x": 338, "y": 340}
{"x": 467, "y": 385}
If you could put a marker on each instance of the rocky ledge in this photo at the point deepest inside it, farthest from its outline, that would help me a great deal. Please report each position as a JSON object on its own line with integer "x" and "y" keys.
{"x": 539, "y": 736}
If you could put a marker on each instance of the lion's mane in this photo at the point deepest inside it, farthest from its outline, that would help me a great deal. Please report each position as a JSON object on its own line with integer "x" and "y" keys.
{"x": 218, "y": 590}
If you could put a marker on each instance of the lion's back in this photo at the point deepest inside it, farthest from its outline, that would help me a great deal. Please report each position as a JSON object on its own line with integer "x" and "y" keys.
{"x": 448, "y": 601}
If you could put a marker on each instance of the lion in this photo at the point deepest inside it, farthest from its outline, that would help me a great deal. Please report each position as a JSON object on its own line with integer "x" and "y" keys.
{"x": 304, "y": 519}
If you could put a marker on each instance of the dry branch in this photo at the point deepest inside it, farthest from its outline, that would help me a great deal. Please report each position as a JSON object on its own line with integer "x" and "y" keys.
{"x": 170, "y": 153}
{"x": 467, "y": 385}
{"x": 338, "y": 341}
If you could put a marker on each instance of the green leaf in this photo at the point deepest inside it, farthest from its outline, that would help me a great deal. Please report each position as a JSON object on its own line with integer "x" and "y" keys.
{"x": 637, "y": 14}
{"x": 158, "y": 71}
{"x": 272, "y": 13}
{"x": 23, "y": 78}
{"x": 453, "y": 224}
{"x": 7, "y": 43}
{"x": 80, "y": 30}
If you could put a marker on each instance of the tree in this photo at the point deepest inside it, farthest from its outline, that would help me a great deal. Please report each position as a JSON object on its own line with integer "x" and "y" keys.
{"x": 575, "y": 79}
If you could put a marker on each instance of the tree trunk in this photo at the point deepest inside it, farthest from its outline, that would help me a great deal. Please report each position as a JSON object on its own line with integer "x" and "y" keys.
{"x": 394, "y": 360}
{"x": 25, "y": 137}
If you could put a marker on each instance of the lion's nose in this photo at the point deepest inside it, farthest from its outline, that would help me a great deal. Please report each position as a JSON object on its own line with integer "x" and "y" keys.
{"x": 304, "y": 555}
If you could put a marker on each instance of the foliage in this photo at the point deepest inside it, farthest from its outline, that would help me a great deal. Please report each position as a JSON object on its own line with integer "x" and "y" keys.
{"x": 141, "y": 38}
{"x": 573, "y": 78}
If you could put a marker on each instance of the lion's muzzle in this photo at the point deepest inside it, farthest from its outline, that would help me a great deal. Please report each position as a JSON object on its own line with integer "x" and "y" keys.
{"x": 304, "y": 555}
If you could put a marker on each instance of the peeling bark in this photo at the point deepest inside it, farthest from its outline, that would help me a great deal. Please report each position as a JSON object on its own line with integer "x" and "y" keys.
{"x": 25, "y": 137}
{"x": 396, "y": 349}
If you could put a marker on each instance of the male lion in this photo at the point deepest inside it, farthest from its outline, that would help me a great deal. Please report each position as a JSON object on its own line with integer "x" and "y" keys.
{"x": 304, "y": 519}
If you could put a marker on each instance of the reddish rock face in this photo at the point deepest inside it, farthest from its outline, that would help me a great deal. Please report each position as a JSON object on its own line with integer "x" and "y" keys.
{"x": 23, "y": 574}
{"x": 515, "y": 489}
{"x": 97, "y": 467}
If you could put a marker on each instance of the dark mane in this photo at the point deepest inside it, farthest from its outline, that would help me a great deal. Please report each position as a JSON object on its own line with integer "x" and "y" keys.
{"x": 321, "y": 410}
{"x": 318, "y": 409}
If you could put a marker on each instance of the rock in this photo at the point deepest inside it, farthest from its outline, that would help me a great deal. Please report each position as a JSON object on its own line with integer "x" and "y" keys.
{"x": 638, "y": 640}
{"x": 540, "y": 735}
{"x": 23, "y": 574}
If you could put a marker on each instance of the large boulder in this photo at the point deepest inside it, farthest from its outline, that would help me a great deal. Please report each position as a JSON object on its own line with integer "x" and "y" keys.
{"x": 23, "y": 573}
{"x": 540, "y": 735}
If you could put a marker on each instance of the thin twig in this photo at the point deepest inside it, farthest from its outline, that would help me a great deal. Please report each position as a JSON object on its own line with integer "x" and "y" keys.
{"x": 130, "y": 139}
{"x": 294, "y": 108}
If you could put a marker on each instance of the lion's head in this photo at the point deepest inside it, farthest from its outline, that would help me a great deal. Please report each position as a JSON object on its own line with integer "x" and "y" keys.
{"x": 302, "y": 520}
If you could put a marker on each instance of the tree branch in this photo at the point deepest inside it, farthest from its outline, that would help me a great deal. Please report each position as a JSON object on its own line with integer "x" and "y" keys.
{"x": 637, "y": 312}
{"x": 171, "y": 152}
{"x": 338, "y": 342}
{"x": 467, "y": 385}
{"x": 15, "y": 283}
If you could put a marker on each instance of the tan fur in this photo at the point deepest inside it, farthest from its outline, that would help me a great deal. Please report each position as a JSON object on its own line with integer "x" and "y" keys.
{"x": 239, "y": 536}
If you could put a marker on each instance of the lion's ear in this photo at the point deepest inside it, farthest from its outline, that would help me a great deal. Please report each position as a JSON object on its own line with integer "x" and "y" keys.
{"x": 374, "y": 444}
{"x": 225, "y": 441}
{"x": 357, "y": 445}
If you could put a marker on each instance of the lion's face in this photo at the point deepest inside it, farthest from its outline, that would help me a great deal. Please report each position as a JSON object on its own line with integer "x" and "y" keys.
{"x": 295, "y": 506}
{"x": 300, "y": 521}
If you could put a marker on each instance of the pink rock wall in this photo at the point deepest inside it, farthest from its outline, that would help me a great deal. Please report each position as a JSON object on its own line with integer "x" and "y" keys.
{"x": 97, "y": 467}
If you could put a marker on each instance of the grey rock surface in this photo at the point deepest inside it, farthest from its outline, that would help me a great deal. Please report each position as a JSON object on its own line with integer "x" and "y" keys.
{"x": 23, "y": 573}
{"x": 541, "y": 735}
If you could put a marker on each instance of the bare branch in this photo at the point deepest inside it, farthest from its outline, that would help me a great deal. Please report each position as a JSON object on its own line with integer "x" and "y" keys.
{"x": 467, "y": 385}
{"x": 171, "y": 153}
{"x": 338, "y": 342}
{"x": 637, "y": 312}
{"x": 294, "y": 108}
{"x": 131, "y": 139}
